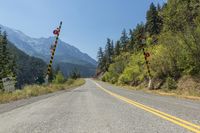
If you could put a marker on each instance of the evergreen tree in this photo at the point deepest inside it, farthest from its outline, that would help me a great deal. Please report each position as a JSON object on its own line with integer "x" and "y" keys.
{"x": 117, "y": 48}
{"x": 159, "y": 8}
{"x": 180, "y": 18}
{"x": 13, "y": 68}
{"x": 112, "y": 50}
{"x": 124, "y": 40}
{"x": 1, "y": 60}
{"x": 100, "y": 56}
{"x": 7, "y": 64}
{"x": 109, "y": 52}
{"x": 138, "y": 32}
{"x": 5, "y": 56}
{"x": 153, "y": 22}
{"x": 131, "y": 41}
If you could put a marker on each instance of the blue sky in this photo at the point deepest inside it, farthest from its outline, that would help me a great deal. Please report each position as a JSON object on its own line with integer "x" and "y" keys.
{"x": 86, "y": 23}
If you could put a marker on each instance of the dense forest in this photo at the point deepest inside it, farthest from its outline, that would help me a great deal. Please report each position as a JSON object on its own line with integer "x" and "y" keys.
{"x": 15, "y": 63}
{"x": 171, "y": 38}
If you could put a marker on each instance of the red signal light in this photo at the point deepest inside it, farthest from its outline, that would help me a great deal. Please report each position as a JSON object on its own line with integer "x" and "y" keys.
{"x": 147, "y": 54}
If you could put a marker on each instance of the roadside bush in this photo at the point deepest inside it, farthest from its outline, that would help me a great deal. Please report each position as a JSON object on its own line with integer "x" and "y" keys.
{"x": 59, "y": 79}
{"x": 171, "y": 83}
{"x": 134, "y": 71}
{"x": 106, "y": 77}
{"x": 112, "y": 75}
{"x": 103, "y": 78}
{"x": 117, "y": 68}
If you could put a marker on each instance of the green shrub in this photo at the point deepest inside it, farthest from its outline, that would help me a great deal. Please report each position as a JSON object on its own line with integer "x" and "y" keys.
{"x": 127, "y": 76}
{"x": 59, "y": 79}
{"x": 134, "y": 71}
{"x": 105, "y": 77}
{"x": 116, "y": 68}
{"x": 171, "y": 83}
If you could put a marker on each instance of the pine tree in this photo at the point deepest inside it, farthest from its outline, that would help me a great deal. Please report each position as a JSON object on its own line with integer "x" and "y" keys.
{"x": 109, "y": 53}
{"x": 1, "y": 60}
{"x": 159, "y": 8}
{"x": 153, "y": 22}
{"x": 7, "y": 63}
{"x": 100, "y": 56}
{"x": 138, "y": 32}
{"x": 124, "y": 40}
{"x": 131, "y": 41}
{"x": 117, "y": 48}
{"x": 112, "y": 51}
{"x": 5, "y": 55}
{"x": 13, "y": 67}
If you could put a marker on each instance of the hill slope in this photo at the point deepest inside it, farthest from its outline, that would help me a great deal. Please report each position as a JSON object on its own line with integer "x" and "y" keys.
{"x": 29, "y": 69}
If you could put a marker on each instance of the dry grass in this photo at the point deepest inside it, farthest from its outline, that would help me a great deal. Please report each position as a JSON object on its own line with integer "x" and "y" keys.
{"x": 187, "y": 87}
{"x": 36, "y": 90}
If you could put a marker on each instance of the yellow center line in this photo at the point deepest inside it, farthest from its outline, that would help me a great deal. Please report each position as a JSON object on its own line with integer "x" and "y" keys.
{"x": 190, "y": 126}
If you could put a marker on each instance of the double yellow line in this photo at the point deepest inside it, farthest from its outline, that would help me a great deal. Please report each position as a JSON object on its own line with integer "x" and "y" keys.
{"x": 190, "y": 126}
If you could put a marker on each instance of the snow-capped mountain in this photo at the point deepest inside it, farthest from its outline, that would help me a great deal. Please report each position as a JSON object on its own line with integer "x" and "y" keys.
{"x": 40, "y": 47}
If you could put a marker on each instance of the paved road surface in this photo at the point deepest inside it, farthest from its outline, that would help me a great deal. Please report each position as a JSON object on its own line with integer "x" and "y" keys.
{"x": 97, "y": 107}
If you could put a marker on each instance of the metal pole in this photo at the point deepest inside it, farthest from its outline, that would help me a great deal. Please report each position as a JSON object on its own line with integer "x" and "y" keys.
{"x": 53, "y": 53}
{"x": 147, "y": 62}
{"x": 150, "y": 85}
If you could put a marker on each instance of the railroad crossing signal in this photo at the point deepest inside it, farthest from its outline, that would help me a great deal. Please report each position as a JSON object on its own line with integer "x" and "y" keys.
{"x": 53, "y": 49}
{"x": 146, "y": 55}
{"x": 56, "y": 32}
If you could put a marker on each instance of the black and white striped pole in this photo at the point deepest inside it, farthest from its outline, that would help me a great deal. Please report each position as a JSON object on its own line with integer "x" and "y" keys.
{"x": 146, "y": 55}
{"x": 53, "y": 49}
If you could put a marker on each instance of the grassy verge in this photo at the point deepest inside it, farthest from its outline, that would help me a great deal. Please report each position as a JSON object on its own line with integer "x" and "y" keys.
{"x": 176, "y": 93}
{"x": 164, "y": 92}
{"x": 192, "y": 93}
{"x": 36, "y": 90}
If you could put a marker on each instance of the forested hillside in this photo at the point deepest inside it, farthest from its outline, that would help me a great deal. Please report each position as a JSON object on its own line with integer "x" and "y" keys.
{"x": 29, "y": 70}
{"x": 85, "y": 70}
{"x": 15, "y": 63}
{"x": 172, "y": 38}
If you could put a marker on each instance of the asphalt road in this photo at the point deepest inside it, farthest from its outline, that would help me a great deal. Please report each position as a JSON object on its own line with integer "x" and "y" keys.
{"x": 97, "y": 107}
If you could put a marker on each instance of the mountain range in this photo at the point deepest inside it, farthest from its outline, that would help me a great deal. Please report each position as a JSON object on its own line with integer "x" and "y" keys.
{"x": 67, "y": 57}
